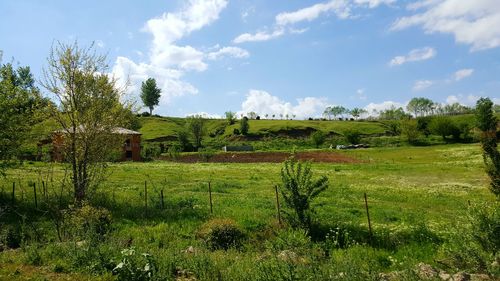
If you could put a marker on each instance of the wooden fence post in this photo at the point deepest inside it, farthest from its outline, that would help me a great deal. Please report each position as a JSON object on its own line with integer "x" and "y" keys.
{"x": 13, "y": 192}
{"x": 34, "y": 193}
{"x": 210, "y": 196}
{"x": 278, "y": 203}
{"x": 161, "y": 198}
{"x": 368, "y": 215}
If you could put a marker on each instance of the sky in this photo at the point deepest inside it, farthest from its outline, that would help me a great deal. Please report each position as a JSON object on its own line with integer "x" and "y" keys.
{"x": 291, "y": 57}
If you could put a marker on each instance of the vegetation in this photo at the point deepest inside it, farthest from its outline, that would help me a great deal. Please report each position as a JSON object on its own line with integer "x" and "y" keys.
{"x": 150, "y": 94}
{"x": 318, "y": 138}
{"x": 196, "y": 126}
{"x": 244, "y": 126}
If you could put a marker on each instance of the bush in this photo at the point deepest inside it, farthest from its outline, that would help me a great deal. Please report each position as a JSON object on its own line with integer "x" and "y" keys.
{"x": 236, "y": 131}
{"x": 135, "y": 267}
{"x": 318, "y": 138}
{"x": 244, "y": 126}
{"x": 352, "y": 136}
{"x": 174, "y": 152}
{"x": 409, "y": 130}
{"x": 206, "y": 154}
{"x": 11, "y": 236}
{"x": 444, "y": 127}
{"x": 485, "y": 221}
{"x": 87, "y": 222}
{"x": 423, "y": 125}
{"x": 298, "y": 190}
{"x": 150, "y": 151}
{"x": 221, "y": 234}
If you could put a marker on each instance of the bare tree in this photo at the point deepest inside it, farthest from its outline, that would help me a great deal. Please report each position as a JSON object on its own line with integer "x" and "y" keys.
{"x": 88, "y": 111}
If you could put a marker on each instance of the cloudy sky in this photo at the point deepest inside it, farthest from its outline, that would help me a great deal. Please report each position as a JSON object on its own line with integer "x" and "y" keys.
{"x": 293, "y": 57}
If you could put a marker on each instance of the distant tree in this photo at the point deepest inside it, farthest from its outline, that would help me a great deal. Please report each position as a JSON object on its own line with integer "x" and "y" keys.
{"x": 196, "y": 126}
{"x": 356, "y": 112}
{"x": 266, "y": 115}
{"x": 338, "y": 111}
{"x": 20, "y": 108}
{"x": 230, "y": 117}
{"x": 318, "y": 138}
{"x": 150, "y": 94}
{"x": 244, "y": 126}
{"x": 496, "y": 108}
{"x": 299, "y": 190}
{"x": 89, "y": 110}
{"x": 455, "y": 109}
{"x": 327, "y": 113}
{"x": 421, "y": 106}
{"x": 487, "y": 123}
{"x": 293, "y": 116}
{"x": 444, "y": 127}
{"x": 281, "y": 115}
{"x": 252, "y": 115}
{"x": 409, "y": 131}
{"x": 274, "y": 115}
{"x": 393, "y": 113}
{"x": 184, "y": 142}
{"x": 287, "y": 116}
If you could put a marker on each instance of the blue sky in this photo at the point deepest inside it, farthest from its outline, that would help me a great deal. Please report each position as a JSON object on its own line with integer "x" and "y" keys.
{"x": 292, "y": 57}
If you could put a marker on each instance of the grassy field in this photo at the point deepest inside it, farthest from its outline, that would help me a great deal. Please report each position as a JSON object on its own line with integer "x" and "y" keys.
{"x": 416, "y": 195}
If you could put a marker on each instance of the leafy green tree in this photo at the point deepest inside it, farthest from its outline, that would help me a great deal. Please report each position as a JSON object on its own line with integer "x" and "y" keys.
{"x": 230, "y": 117}
{"x": 409, "y": 130}
{"x": 150, "y": 94}
{"x": 318, "y": 138}
{"x": 421, "y": 106}
{"x": 393, "y": 113}
{"x": 196, "y": 126}
{"x": 338, "y": 110}
{"x": 88, "y": 112}
{"x": 487, "y": 123}
{"x": 244, "y": 126}
{"x": 444, "y": 127}
{"x": 299, "y": 190}
{"x": 20, "y": 108}
{"x": 356, "y": 112}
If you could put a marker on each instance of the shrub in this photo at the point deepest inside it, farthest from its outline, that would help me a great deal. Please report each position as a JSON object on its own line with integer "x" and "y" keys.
{"x": 318, "y": 138}
{"x": 392, "y": 128}
{"x": 11, "y": 236}
{"x": 352, "y": 136}
{"x": 87, "y": 222}
{"x": 221, "y": 234}
{"x": 410, "y": 131}
{"x": 150, "y": 151}
{"x": 184, "y": 142}
{"x": 174, "y": 152}
{"x": 236, "y": 131}
{"x": 298, "y": 190}
{"x": 485, "y": 221}
{"x": 244, "y": 126}
{"x": 423, "y": 125}
{"x": 444, "y": 126}
{"x": 206, "y": 154}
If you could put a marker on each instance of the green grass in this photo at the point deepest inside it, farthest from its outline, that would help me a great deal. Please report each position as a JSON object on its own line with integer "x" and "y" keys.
{"x": 407, "y": 187}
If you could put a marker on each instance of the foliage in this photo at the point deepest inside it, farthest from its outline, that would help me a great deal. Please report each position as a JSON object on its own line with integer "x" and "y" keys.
{"x": 89, "y": 111}
{"x": 487, "y": 123}
{"x": 196, "y": 126}
{"x": 20, "y": 108}
{"x": 206, "y": 154}
{"x": 299, "y": 190}
{"x": 423, "y": 125}
{"x": 150, "y": 94}
{"x": 184, "y": 142}
{"x": 409, "y": 130}
{"x": 135, "y": 267}
{"x": 150, "y": 151}
{"x": 221, "y": 234}
{"x": 392, "y": 127}
{"x": 174, "y": 152}
{"x": 87, "y": 222}
{"x": 485, "y": 220}
{"x": 244, "y": 126}
{"x": 352, "y": 136}
{"x": 318, "y": 138}
{"x": 230, "y": 117}
{"x": 356, "y": 112}
{"x": 393, "y": 113}
{"x": 444, "y": 126}
{"x": 421, "y": 106}
{"x": 337, "y": 110}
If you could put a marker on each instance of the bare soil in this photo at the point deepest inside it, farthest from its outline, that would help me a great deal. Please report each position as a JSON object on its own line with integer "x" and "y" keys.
{"x": 270, "y": 157}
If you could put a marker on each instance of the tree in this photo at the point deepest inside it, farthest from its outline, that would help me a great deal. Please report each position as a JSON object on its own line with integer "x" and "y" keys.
{"x": 150, "y": 94}
{"x": 338, "y": 111}
{"x": 409, "y": 130}
{"x": 356, "y": 112}
{"x": 393, "y": 113}
{"x": 318, "y": 138}
{"x": 444, "y": 126}
{"x": 298, "y": 190}
{"x": 196, "y": 126}
{"x": 88, "y": 112}
{"x": 421, "y": 106}
{"x": 244, "y": 126}
{"x": 230, "y": 117}
{"x": 487, "y": 123}
{"x": 252, "y": 115}
{"x": 20, "y": 108}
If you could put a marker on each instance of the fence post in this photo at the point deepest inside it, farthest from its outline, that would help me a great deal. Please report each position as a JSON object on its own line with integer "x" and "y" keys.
{"x": 34, "y": 193}
{"x": 368, "y": 216}
{"x": 278, "y": 203}
{"x": 13, "y": 192}
{"x": 210, "y": 195}
{"x": 162, "y": 203}
{"x": 146, "y": 194}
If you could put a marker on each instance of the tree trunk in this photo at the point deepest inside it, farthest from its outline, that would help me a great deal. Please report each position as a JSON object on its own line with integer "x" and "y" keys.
{"x": 150, "y": 110}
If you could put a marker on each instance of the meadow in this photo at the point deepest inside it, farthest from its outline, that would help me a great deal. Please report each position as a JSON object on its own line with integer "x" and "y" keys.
{"x": 418, "y": 200}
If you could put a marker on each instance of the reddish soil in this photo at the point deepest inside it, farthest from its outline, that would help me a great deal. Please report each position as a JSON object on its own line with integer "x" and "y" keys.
{"x": 270, "y": 157}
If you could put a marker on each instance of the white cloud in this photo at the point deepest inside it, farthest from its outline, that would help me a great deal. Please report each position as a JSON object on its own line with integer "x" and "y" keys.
{"x": 469, "y": 100}
{"x": 229, "y": 52}
{"x": 100, "y": 43}
{"x": 259, "y": 36}
{"x": 339, "y": 7}
{"x": 475, "y": 23}
{"x": 414, "y": 55}
{"x": 360, "y": 94}
{"x": 422, "y": 85}
{"x": 374, "y": 3}
{"x": 374, "y": 108}
{"x": 463, "y": 73}
{"x": 262, "y": 103}
{"x": 167, "y": 61}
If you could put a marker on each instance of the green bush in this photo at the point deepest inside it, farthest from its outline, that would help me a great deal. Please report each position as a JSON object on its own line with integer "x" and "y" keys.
{"x": 134, "y": 267}
{"x": 150, "y": 152}
{"x": 409, "y": 130}
{"x": 11, "y": 236}
{"x": 87, "y": 222}
{"x": 244, "y": 126}
{"x": 221, "y": 234}
{"x": 318, "y": 138}
{"x": 206, "y": 154}
{"x": 352, "y": 136}
{"x": 444, "y": 127}
{"x": 174, "y": 152}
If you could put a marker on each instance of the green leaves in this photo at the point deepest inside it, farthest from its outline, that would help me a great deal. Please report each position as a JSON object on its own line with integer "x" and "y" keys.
{"x": 150, "y": 94}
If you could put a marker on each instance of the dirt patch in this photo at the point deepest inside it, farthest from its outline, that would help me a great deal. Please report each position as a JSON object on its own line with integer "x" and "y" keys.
{"x": 270, "y": 157}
